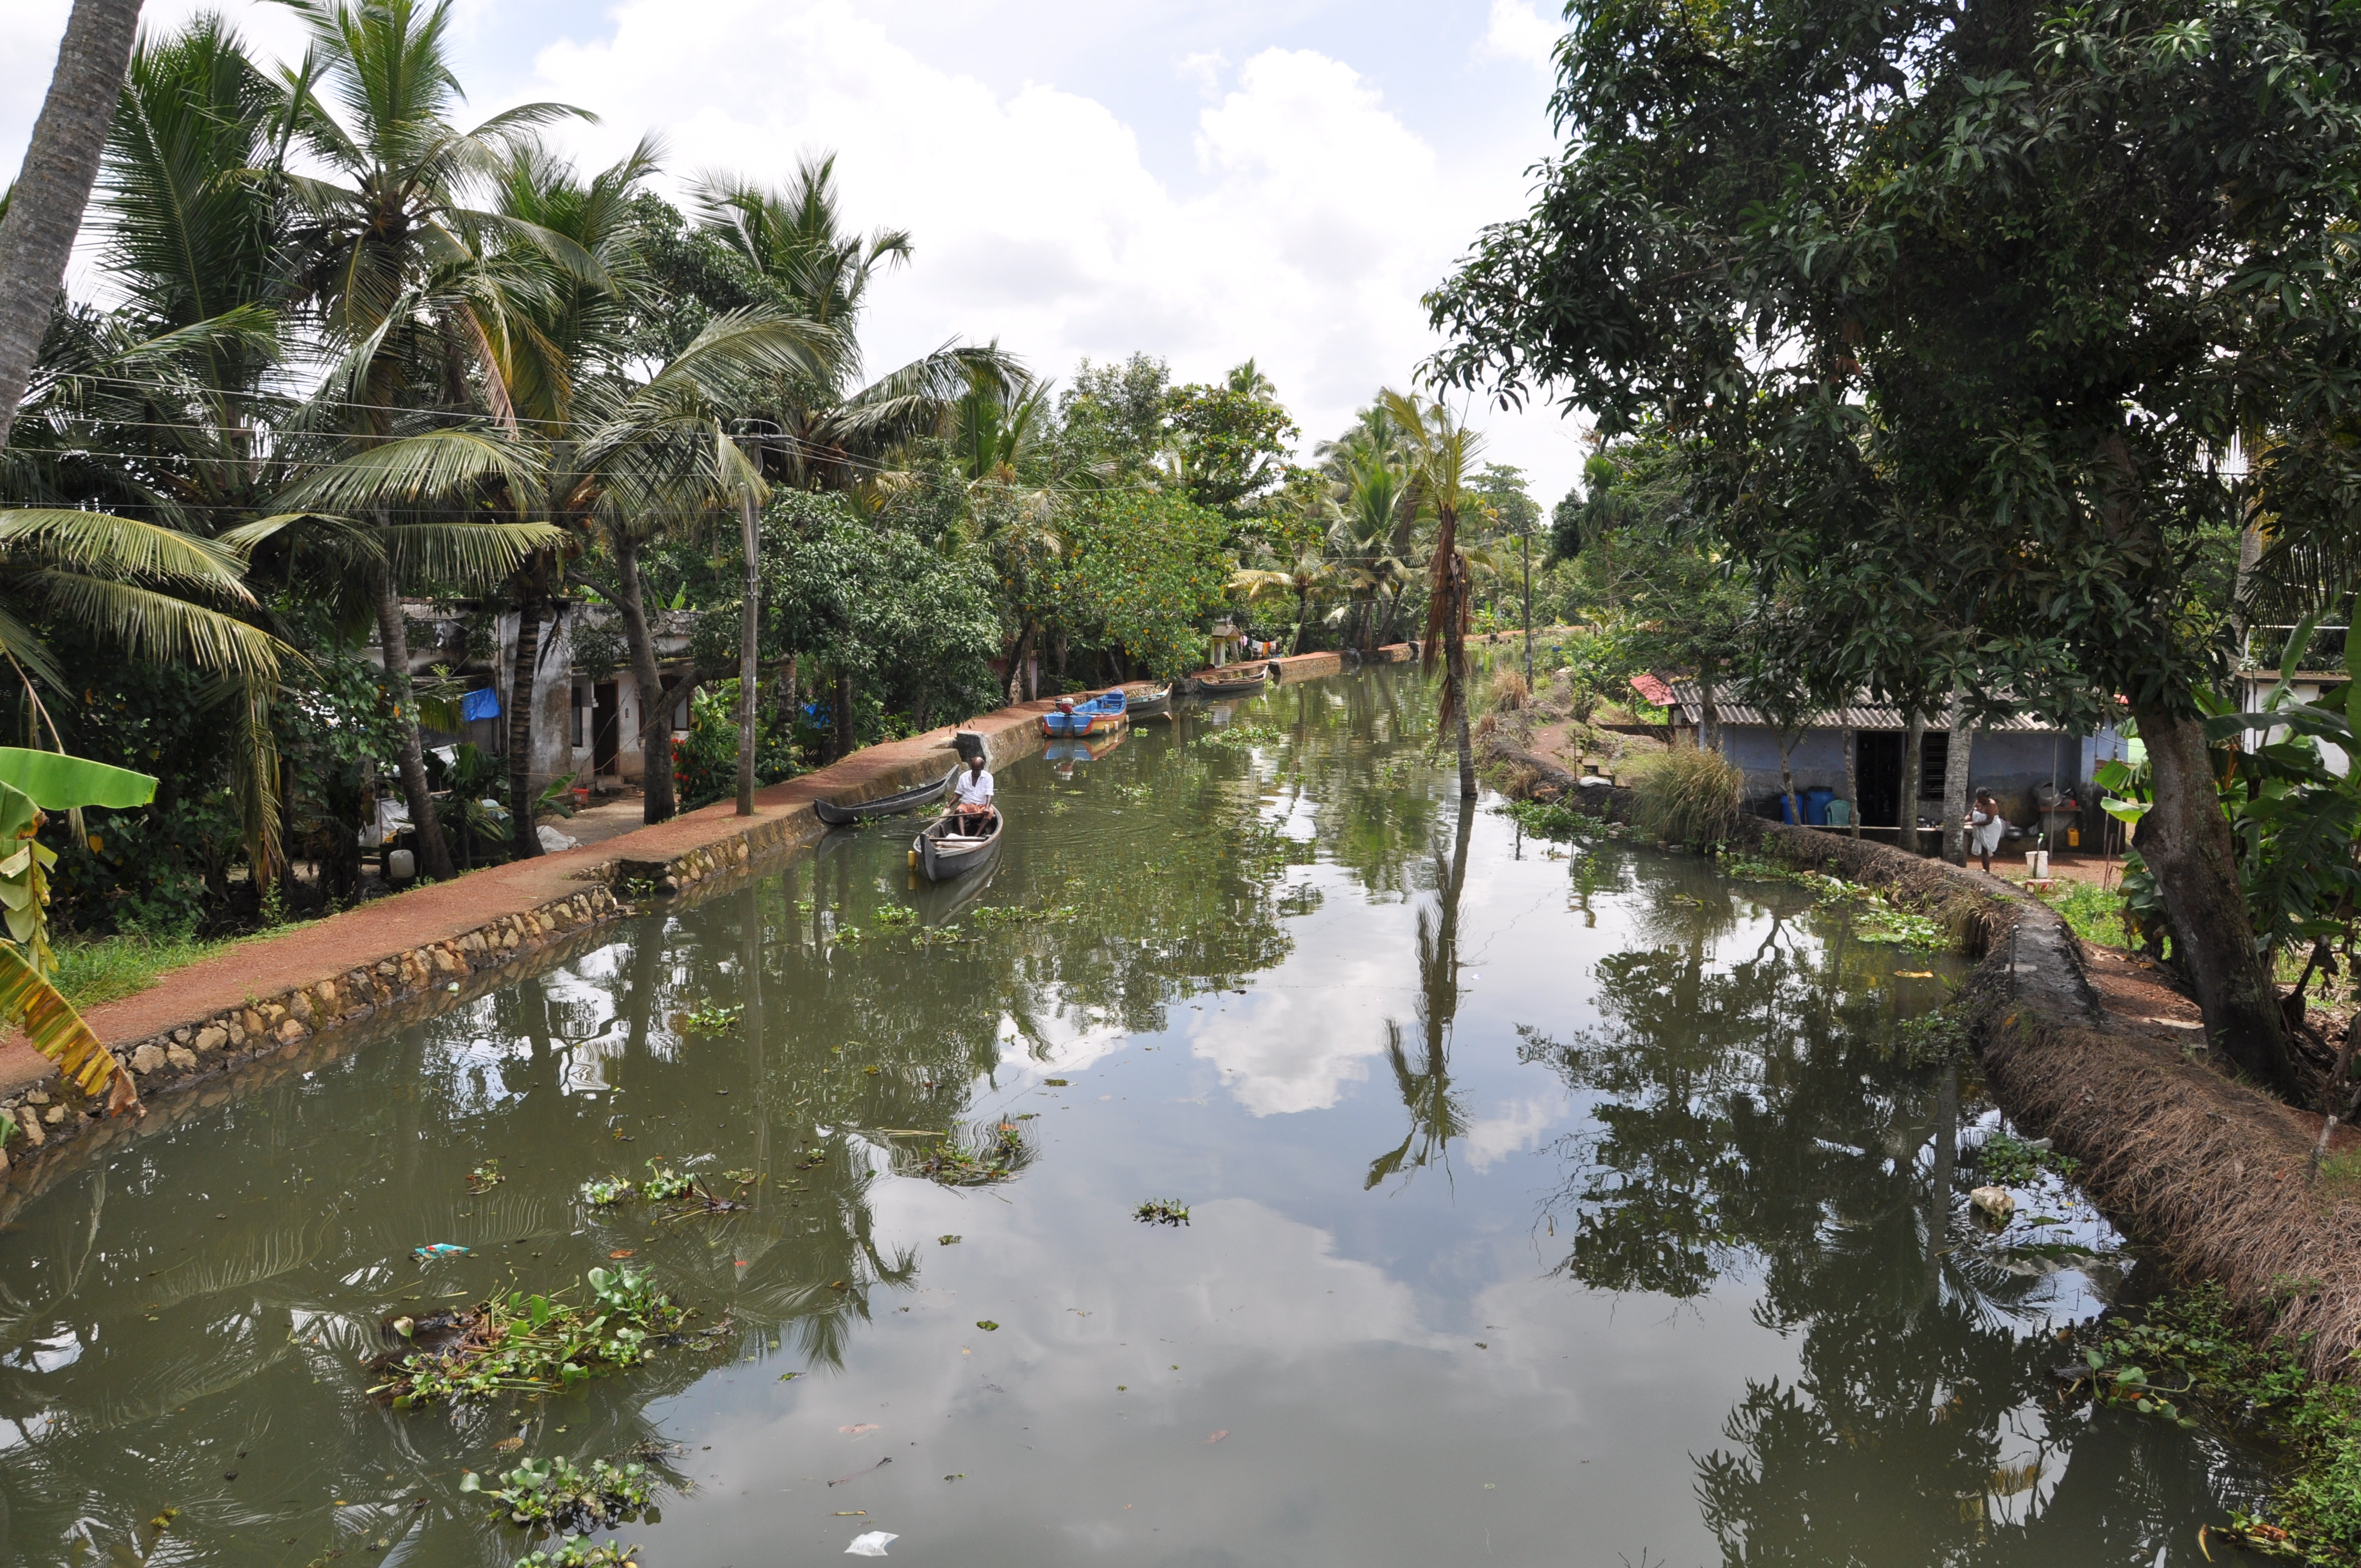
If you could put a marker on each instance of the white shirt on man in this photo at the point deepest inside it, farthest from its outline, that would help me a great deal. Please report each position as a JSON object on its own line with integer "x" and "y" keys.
{"x": 972, "y": 788}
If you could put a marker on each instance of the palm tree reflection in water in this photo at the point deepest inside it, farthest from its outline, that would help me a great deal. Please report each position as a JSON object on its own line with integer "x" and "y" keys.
{"x": 1436, "y": 1114}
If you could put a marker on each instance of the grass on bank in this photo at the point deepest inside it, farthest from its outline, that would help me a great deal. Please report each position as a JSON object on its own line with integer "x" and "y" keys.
{"x": 95, "y": 970}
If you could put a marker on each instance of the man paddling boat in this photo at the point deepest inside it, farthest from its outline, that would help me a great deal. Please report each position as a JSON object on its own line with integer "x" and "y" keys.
{"x": 972, "y": 806}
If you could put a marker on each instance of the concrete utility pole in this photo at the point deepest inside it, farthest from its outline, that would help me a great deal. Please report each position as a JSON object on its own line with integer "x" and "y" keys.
{"x": 1525, "y": 543}
{"x": 749, "y": 634}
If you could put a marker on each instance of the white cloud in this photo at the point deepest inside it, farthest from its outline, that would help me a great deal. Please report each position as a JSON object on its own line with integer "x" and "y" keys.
{"x": 1518, "y": 32}
{"x": 1312, "y": 217}
{"x": 1204, "y": 71}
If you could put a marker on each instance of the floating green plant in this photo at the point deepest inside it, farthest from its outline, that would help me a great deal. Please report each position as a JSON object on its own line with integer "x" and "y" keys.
{"x": 531, "y": 1342}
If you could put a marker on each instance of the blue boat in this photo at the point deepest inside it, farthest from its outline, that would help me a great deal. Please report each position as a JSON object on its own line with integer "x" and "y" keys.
{"x": 1100, "y": 714}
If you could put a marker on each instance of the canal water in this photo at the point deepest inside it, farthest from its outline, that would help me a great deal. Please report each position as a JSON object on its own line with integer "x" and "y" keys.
{"x": 1546, "y": 1203}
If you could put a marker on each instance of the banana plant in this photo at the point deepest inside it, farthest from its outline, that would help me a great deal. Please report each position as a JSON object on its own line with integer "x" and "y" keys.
{"x": 33, "y": 783}
{"x": 2293, "y": 802}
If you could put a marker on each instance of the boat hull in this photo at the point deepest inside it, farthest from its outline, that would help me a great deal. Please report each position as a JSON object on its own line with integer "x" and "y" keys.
{"x": 838, "y": 815}
{"x": 940, "y": 857}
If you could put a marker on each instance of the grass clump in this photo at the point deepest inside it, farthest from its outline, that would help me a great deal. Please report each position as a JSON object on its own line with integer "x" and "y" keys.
{"x": 713, "y": 1018}
{"x": 93, "y": 970}
{"x": 1510, "y": 690}
{"x": 1688, "y": 796}
{"x": 529, "y": 1343}
{"x": 2095, "y": 914}
{"x": 557, "y": 1493}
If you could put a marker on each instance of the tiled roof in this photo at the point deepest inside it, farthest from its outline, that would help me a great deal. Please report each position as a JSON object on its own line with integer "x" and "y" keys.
{"x": 1652, "y": 689}
{"x": 1855, "y": 716}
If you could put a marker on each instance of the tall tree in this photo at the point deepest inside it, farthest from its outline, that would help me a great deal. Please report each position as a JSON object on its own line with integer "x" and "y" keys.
{"x": 1441, "y": 459}
{"x": 404, "y": 278}
{"x": 44, "y": 207}
{"x": 1971, "y": 303}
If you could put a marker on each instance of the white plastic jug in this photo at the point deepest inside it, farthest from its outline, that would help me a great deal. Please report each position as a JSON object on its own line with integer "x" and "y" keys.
{"x": 400, "y": 864}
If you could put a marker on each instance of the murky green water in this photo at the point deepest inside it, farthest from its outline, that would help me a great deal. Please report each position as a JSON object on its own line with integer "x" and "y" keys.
{"x": 1547, "y": 1207}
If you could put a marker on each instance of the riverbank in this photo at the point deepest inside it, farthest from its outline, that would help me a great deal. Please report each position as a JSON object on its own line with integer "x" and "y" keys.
{"x": 2097, "y": 1052}
{"x": 409, "y": 955}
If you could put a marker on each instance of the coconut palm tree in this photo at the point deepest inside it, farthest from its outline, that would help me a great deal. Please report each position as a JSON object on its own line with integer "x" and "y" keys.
{"x": 833, "y": 431}
{"x": 43, "y": 210}
{"x": 411, "y": 288}
{"x": 1441, "y": 452}
{"x": 1310, "y": 574}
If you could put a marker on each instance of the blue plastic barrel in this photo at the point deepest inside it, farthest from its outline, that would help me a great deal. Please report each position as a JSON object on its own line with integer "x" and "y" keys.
{"x": 1816, "y": 806}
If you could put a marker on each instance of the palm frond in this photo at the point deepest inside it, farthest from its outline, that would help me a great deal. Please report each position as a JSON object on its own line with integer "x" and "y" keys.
{"x": 464, "y": 552}
{"x": 437, "y": 467}
{"x": 105, "y": 542}
{"x": 156, "y": 626}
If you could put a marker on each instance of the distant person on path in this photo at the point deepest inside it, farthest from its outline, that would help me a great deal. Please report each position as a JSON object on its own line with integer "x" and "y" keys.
{"x": 972, "y": 805}
{"x": 1985, "y": 826}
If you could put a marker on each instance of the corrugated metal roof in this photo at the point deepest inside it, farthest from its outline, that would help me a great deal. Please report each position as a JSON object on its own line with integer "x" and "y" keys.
{"x": 1854, "y": 716}
{"x": 1652, "y": 689}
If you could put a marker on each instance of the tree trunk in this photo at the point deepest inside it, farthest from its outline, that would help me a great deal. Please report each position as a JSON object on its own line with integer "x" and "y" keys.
{"x": 1455, "y": 673}
{"x": 749, "y": 635}
{"x": 526, "y": 841}
{"x": 657, "y": 800}
{"x": 844, "y": 743}
{"x": 1708, "y": 714}
{"x": 2185, "y": 840}
{"x": 1017, "y": 664}
{"x": 393, "y": 637}
{"x": 1955, "y": 781}
{"x": 53, "y": 186}
{"x": 1302, "y": 614}
{"x": 1852, "y": 783}
{"x": 1914, "y": 737}
{"x": 1787, "y": 777}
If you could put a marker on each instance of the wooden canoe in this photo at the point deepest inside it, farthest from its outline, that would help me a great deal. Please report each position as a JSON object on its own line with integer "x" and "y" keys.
{"x": 1240, "y": 685}
{"x": 837, "y": 816}
{"x": 1148, "y": 701}
{"x": 942, "y": 855}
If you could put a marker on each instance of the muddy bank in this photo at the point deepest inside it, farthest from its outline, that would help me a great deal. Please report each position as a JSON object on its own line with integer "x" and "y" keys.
{"x": 2205, "y": 1172}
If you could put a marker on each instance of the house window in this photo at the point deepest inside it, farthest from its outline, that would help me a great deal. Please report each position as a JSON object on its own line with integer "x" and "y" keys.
{"x": 1933, "y": 753}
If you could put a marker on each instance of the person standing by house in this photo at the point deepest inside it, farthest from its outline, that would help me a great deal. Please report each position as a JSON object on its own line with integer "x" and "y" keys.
{"x": 1985, "y": 828}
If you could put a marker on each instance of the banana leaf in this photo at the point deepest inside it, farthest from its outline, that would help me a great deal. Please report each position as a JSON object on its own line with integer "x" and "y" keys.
{"x": 57, "y": 1031}
{"x": 59, "y": 783}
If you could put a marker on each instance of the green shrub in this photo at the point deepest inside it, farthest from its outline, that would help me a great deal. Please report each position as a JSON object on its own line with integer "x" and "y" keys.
{"x": 1689, "y": 796}
{"x": 704, "y": 760}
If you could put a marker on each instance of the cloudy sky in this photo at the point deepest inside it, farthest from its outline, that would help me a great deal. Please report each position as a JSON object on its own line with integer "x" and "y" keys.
{"x": 1205, "y": 182}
